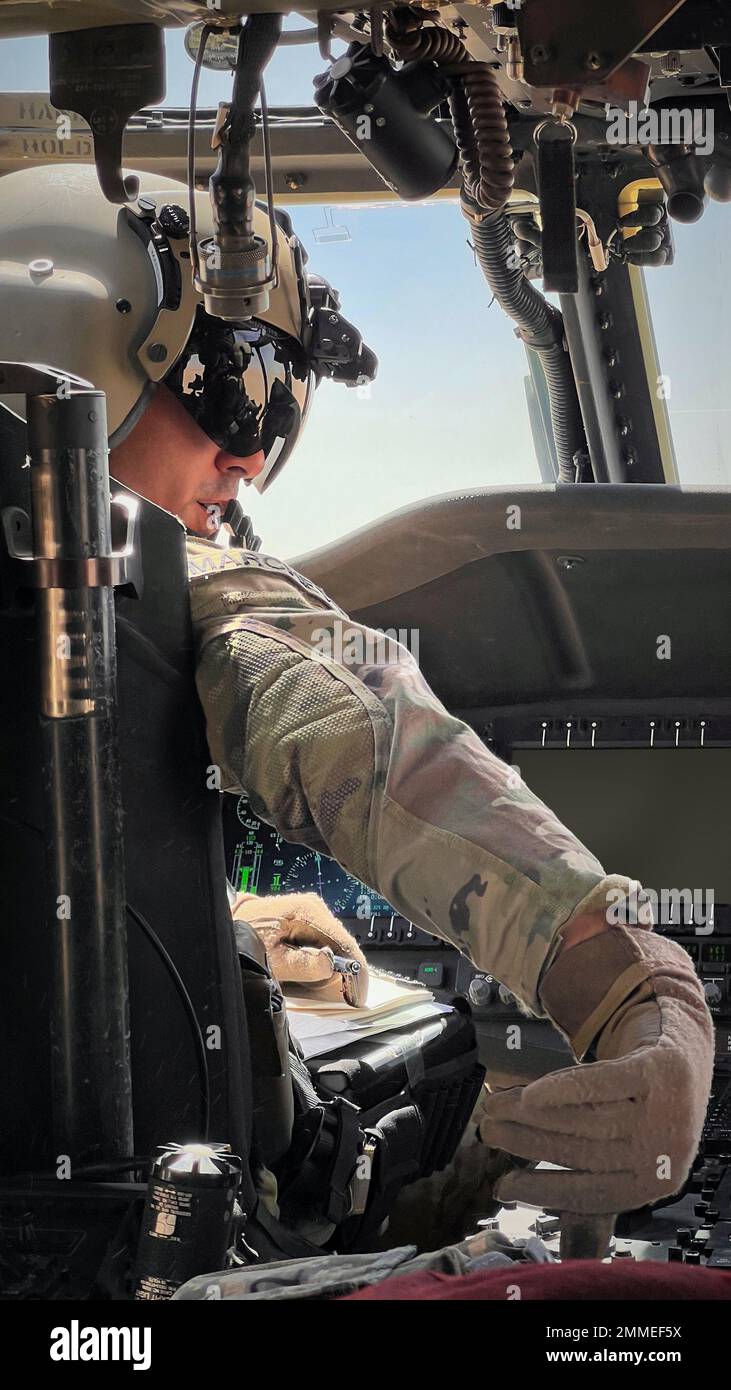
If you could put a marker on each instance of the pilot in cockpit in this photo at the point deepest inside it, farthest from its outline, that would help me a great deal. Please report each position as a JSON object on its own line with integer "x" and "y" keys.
{"x": 350, "y": 752}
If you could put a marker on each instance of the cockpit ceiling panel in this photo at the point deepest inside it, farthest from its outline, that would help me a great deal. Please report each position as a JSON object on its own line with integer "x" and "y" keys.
{"x": 18, "y": 17}
{"x": 622, "y": 625}
{"x": 571, "y": 604}
{"x": 408, "y": 548}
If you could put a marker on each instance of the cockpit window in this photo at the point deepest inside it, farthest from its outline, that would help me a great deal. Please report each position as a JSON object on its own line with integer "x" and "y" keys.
{"x": 447, "y": 410}
{"x": 691, "y": 307}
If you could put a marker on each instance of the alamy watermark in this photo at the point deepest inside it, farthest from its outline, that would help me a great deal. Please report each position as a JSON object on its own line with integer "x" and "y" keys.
{"x": 78, "y": 1342}
{"x": 670, "y": 907}
{"x": 350, "y": 645}
{"x": 650, "y": 125}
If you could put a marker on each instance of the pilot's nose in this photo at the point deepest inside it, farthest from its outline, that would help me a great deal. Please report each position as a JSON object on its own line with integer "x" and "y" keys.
{"x": 249, "y": 467}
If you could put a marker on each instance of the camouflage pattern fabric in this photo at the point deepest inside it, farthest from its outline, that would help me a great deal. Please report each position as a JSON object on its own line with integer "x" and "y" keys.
{"x": 340, "y": 744}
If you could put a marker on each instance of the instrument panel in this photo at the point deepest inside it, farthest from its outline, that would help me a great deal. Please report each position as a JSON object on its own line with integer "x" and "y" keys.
{"x": 260, "y": 861}
{"x": 659, "y": 814}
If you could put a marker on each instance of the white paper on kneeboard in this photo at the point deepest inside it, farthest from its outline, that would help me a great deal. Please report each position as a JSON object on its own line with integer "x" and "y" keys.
{"x": 310, "y": 1025}
{"x": 316, "y": 1044}
{"x": 383, "y": 995}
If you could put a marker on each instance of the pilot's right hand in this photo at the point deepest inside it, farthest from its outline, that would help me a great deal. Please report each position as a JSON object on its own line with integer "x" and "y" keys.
{"x": 628, "y": 1125}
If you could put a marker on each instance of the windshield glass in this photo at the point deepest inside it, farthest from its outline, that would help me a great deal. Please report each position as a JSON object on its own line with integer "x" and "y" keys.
{"x": 690, "y": 305}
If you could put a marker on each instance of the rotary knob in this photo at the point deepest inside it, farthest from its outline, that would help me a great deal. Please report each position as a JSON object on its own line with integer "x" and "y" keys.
{"x": 713, "y": 993}
{"x": 480, "y": 992}
{"x": 504, "y": 995}
{"x": 174, "y": 221}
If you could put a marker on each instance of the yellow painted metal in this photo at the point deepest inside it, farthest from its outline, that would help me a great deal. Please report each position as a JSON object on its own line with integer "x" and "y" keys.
{"x": 655, "y": 378}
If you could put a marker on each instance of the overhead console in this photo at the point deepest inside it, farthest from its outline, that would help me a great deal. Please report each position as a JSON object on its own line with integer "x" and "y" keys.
{"x": 576, "y": 595}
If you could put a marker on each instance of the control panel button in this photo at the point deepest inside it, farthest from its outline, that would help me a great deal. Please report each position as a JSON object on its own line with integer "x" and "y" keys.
{"x": 430, "y": 973}
{"x": 547, "y": 1226}
{"x": 714, "y": 993}
{"x": 505, "y": 995}
{"x": 481, "y": 992}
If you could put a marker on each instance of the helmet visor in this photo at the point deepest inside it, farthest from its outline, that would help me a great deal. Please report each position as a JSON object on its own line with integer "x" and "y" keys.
{"x": 247, "y": 387}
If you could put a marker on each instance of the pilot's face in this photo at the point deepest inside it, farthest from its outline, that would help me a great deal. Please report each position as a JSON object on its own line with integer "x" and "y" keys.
{"x": 168, "y": 459}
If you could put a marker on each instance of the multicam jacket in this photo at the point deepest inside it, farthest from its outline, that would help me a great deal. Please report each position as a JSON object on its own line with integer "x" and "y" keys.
{"x": 341, "y": 745}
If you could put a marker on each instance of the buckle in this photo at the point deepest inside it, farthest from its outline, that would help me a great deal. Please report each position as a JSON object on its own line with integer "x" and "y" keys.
{"x": 360, "y": 1183}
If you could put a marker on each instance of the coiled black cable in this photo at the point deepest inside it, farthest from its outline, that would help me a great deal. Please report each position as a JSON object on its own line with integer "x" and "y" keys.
{"x": 541, "y": 328}
{"x": 486, "y": 166}
{"x": 475, "y": 103}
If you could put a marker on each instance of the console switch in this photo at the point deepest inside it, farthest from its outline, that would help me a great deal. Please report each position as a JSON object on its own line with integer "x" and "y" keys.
{"x": 430, "y": 973}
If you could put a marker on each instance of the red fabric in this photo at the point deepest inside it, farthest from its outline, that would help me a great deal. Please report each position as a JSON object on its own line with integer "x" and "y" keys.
{"x": 573, "y": 1279}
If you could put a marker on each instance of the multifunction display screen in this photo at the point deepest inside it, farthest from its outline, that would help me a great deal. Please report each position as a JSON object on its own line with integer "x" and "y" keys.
{"x": 259, "y": 861}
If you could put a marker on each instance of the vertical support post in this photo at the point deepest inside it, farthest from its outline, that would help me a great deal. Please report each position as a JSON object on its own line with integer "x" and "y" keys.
{"x": 91, "y": 1073}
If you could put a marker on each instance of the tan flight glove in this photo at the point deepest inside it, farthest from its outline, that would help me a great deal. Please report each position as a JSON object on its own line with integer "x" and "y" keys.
{"x": 301, "y": 937}
{"x": 627, "y": 1125}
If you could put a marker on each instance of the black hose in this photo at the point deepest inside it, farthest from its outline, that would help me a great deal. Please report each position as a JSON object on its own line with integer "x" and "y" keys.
{"x": 541, "y": 328}
{"x": 231, "y": 185}
{"x": 257, "y": 43}
{"x": 486, "y": 165}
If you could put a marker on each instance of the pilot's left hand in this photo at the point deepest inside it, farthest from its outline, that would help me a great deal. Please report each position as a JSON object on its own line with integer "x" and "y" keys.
{"x": 302, "y": 937}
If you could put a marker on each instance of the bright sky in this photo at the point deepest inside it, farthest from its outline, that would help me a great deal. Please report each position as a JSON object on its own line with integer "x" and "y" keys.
{"x": 447, "y": 410}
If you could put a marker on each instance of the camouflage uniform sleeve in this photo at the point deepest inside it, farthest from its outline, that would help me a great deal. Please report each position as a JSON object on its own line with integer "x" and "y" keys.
{"x": 341, "y": 745}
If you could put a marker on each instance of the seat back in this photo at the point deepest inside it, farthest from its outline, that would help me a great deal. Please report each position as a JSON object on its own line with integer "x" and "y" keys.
{"x": 175, "y": 873}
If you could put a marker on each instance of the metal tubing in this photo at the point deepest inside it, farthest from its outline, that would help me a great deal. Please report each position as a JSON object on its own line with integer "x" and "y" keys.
{"x": 91, "y": 1074}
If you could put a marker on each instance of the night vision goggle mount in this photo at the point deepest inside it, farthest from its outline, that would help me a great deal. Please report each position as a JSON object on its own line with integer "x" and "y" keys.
{"x": 334, "y": 346}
